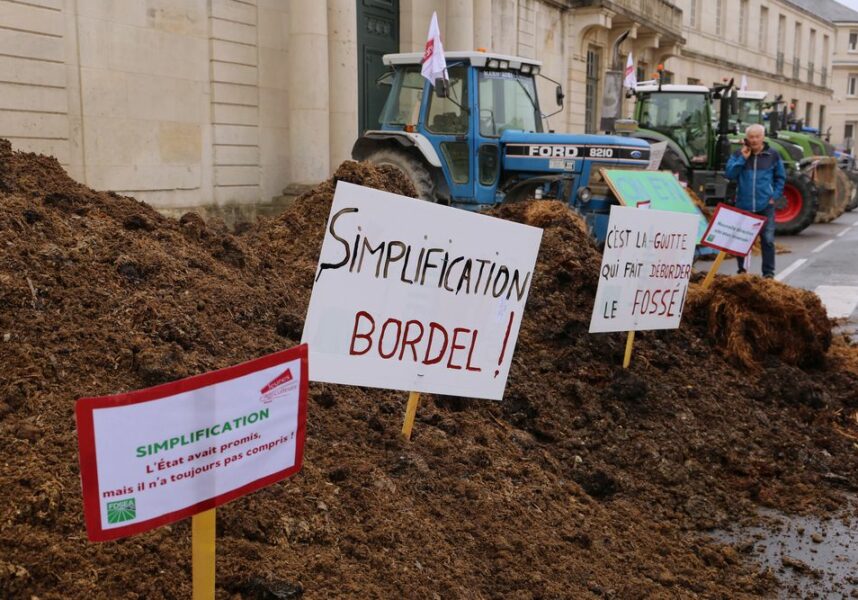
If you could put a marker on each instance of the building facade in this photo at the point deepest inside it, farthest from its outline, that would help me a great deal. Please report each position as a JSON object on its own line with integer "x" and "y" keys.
{"x": 185, "y": 103}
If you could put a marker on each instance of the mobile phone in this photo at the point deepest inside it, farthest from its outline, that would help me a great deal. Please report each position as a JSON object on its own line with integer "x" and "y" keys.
{"x": 746, "y": 142}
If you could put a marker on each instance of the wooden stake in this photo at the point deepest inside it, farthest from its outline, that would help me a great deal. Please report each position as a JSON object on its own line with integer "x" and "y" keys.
{"x": 203, "y": 554}
{"x": 710, "y": 276}
{"x": 630, "y": 341}
{"x": 410, "y": 413}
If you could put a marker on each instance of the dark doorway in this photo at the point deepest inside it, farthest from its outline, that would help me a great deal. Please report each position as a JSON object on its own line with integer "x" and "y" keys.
{"x": 377, "y": 35}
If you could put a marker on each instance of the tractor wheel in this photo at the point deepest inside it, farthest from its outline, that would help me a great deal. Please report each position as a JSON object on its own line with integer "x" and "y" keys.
{"x": 415, "y": 170}
{"x": 853, "y": 201}
{"x": 796, "y": 209}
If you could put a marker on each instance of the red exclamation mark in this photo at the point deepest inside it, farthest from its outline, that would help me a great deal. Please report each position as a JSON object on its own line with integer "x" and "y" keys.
{"x": 505, "y": 340}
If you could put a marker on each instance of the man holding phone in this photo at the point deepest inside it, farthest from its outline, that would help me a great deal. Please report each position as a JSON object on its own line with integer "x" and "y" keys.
{"x": 760, "y": 174}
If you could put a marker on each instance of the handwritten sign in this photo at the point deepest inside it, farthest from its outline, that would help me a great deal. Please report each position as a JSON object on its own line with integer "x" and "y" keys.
{"x": 645, "y": 270}
{"x": 659, "y": 187}
{"x": 161, "y": 454}
{"x": 412, "y": 295}
{"x": 733, "y": 230}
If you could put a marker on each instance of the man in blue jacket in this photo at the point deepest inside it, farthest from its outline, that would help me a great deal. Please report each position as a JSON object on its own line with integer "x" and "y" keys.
{"x": 760, "y": 174}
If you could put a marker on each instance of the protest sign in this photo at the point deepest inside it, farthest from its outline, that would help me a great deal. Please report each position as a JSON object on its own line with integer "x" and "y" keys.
{"x": 659, "y": 187}
{"x": 412, "y": 295}
{"x": 733, "y": 230}
{"x": 645, "y": 270}
{"x": 154, "y": 456}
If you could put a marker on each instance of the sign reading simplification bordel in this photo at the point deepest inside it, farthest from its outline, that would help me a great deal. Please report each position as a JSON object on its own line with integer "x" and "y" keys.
{"x": 646, "y": 266}
{"x": 412, "y": 295}
{"x": 154, "y": 456}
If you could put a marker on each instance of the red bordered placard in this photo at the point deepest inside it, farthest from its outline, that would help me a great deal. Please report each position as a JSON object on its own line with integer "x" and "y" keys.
{"x": 718, "y": 208}
{"x": 87, "y": 449}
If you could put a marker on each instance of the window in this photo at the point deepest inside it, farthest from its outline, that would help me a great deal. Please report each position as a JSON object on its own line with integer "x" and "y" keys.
{"x": 852, "y": 86}
{"x": 797, "y": 40}
{"x": 507, "y": 101}
{"x": 764, "y": 28}
{"x": 808, "y": 114}
{"x": 591, "y": 111}
{"x": 682, "y": 116}
{"x": 643, "y": 72}
{"x": 402, "y": 107}
{"x": 692, "y": 14}
{"x": 444, "y": 114}
{"x": 853, "y": 41}
{"x": 821, "y": 123}
{"x": 848, "y": 132}
{"x": 693, "y": 81}
{"x": 743, "y": 22}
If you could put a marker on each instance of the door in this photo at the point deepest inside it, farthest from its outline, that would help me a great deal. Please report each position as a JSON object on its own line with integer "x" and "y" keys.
{"x": 377, "y": 35}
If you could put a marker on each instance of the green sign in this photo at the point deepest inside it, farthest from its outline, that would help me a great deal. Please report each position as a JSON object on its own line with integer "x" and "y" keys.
{"x": 121, "y": 510}
{"x": 660, "y": 188}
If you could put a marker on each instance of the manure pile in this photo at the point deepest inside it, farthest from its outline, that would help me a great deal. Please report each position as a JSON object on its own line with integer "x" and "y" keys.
{"x": 587, "y": 481}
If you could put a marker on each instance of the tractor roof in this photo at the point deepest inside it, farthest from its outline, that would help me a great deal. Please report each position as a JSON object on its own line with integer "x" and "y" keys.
{"x": 478, "y": 59}
{"x": 748, "y": 95}
{"x": 671, "y": 87}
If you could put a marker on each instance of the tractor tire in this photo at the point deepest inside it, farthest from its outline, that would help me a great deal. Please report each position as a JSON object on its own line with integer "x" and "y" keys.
{"x": 414, "y": 169}
{"x": 853, "y": 202}
{"x": 796, "y": 210}
{"x": 836, "y": 200}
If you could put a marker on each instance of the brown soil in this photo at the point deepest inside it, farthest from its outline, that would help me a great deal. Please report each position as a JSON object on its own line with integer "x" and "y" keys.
{"x": 587, "y": 481}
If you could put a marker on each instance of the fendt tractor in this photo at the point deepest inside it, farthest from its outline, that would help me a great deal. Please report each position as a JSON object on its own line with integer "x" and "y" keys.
{"x": 698, "y": 145}
{"x": 819, "y": 161}
{"x": 478, "y": 139}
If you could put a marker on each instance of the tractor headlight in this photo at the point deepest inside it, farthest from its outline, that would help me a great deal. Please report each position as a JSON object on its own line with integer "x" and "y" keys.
{"x": 535, "y": 70}
{"x": 525, "y": 68}
{"x": 504, "y": 64}
{"x": 493, "y": 63}
{"x": 584, "y": 194}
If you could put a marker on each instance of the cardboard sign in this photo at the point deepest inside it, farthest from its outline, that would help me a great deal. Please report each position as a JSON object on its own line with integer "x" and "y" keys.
{"x": 733, "y": 230}
{"x": 645, "y": 270}
{"x": 412, "y": 295}
{"x": 660, "y": 187}
{"x": 154, "y": 456}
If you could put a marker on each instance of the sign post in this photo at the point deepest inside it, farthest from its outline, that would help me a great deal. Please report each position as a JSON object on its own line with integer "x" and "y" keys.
{"x": 646, "y": 266}
{"x": 416, "y": 296}
{"x": 731, "y": 231}
{"x": 154, "y": 456}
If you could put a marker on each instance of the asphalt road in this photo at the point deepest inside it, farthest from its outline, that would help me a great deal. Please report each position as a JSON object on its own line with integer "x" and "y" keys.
{"x": 823, "y": 259}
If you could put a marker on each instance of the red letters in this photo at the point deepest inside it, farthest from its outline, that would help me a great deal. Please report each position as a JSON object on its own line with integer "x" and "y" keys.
{"x": 366, "y": 336}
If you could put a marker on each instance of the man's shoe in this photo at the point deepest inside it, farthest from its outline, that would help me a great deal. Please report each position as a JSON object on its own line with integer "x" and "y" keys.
{"x": 768, "y": 276}
{"x": 741, "y": 271}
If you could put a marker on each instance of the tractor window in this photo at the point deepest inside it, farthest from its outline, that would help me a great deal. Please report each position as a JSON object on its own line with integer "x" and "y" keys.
{"x": 450, "y": 115}
{"x": 683, "y": 117}
{"x": 507, "y": 101}
{"x": 750, "y": 113}
{"x": 403, "y": 104}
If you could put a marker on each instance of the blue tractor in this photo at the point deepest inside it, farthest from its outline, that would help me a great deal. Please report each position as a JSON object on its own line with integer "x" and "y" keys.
{"x": 478, "y": 139}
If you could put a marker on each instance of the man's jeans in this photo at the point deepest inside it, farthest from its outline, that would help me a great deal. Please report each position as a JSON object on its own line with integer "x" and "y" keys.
{"x": 767, "y": 242}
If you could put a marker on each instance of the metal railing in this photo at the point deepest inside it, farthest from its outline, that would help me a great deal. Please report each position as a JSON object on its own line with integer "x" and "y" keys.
{"x": 810, "y": 72}
{"x": 823, "y": 77}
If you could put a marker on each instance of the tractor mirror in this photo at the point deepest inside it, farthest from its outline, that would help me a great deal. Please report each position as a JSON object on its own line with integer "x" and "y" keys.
{"x": 559, "y": 95}
{"x": 734, "y": 102}
{"x": 442, "y": 87}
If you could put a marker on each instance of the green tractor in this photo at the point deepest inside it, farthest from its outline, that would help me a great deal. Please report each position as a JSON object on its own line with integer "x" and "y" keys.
{"x": 836, "y": 191}
{"x": 698, "y": 145}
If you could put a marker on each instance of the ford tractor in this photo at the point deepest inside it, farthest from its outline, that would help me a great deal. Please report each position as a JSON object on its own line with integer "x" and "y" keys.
{"x": 477, "y": 139}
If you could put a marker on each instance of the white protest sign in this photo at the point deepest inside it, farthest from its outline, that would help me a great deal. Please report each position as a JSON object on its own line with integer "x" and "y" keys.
{"x": 656, "y": 154}
{"x": 733, "y": 230}
{"x": 155, "y": 456}
{"x": 412, "y": 295}
{"x": 645, "y": 270}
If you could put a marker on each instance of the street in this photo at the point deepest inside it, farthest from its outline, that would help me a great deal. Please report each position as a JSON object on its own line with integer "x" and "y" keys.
{"x": 822, "y": 259}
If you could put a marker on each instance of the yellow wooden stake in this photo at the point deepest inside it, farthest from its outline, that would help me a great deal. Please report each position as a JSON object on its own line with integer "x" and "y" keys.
{"x": 203, "y": 554}
{"x": 410, "y": 413}
{"x": 710, "y": 276}
{"x": 630, "y": 341}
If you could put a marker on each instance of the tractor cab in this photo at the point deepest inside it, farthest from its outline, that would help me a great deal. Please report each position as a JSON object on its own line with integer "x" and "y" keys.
{"x": 480, "y": 137}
